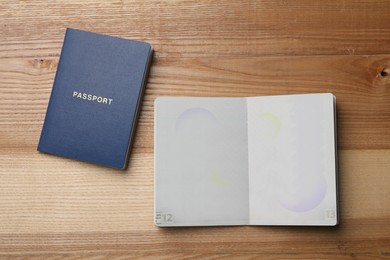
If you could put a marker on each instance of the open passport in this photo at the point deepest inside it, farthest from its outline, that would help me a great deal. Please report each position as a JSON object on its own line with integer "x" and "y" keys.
{"x": 267, "y": 160}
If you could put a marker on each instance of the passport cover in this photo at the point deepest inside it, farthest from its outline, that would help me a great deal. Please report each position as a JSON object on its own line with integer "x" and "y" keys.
{"x": 246, "y": 161}
{"x": 95, "y": 98}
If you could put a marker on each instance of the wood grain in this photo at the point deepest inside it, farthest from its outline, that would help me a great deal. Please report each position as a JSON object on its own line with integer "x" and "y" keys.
{"x": 51, "y": 207}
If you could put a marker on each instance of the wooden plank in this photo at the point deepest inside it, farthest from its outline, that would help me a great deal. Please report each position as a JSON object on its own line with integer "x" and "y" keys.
{"x": 73, "y": 208}
{"x": 363, "y": 94}
{"x": 137, "y": 244}
{"x": 203, "y": 28}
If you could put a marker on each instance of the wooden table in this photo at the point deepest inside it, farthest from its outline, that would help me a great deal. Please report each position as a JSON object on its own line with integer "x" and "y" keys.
{"x": 55, "y": 207}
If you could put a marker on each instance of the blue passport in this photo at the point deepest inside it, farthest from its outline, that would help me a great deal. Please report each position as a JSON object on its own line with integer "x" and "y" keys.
{"x": 96, "y": 97}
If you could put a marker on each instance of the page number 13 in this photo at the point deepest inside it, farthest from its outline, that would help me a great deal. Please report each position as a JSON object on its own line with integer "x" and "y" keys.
{"x": 330, "y": 213}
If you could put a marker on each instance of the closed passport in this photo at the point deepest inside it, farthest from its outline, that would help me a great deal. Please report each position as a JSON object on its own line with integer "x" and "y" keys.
{"x": 96, "y": 98}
